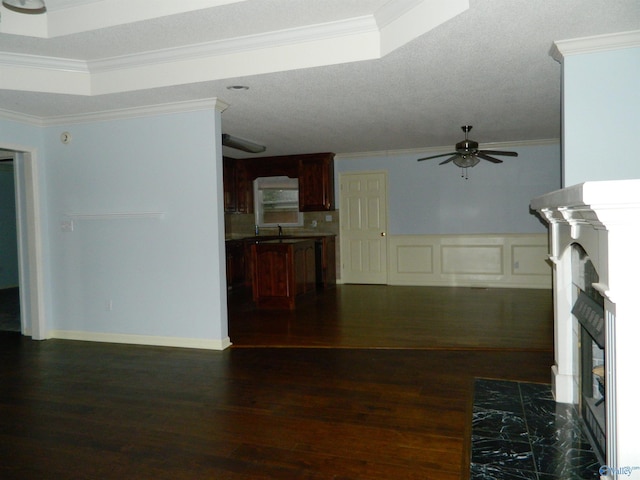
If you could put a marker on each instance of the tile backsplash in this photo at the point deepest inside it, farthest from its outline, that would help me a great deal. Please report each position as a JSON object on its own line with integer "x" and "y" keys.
{"x": 243, "y": 225}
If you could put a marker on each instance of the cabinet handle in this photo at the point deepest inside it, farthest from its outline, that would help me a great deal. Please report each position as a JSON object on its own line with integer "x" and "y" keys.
{"x": 383, "y": 234}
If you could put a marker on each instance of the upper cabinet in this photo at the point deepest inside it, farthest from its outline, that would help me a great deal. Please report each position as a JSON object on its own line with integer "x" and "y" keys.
{"x": 238, "y": 191}
{"x": 314, "y": 172}
{"x": 230, "y": 187}
{"x": 315, "y": 177}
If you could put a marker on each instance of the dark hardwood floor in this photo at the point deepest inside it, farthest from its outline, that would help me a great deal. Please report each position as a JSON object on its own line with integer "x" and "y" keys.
{"x": 78, "y": 410}
{"x": 376, "y": 316}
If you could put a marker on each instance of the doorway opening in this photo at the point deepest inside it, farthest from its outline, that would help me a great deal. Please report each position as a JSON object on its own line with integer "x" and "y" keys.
{"x": 29, "y": 241}
{"x": 9, "y": 291}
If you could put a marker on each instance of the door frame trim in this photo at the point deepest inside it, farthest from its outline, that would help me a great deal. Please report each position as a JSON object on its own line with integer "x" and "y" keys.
{"x": 30, "y": 241}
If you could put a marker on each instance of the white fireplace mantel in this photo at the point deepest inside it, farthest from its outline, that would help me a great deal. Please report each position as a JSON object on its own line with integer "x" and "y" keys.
{"x": 604, "y": 219}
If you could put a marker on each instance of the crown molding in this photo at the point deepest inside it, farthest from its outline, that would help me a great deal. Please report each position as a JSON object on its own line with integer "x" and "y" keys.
{"x": 137, "y": 112}
{"x": 409, "y": 152}
{"x": 8, "y": 59}
{"x": 598, "y": 43}
{"x": 117, "y": 114}
{"x": 299, "y": 35}
{"x": 18, "y": 117}
{"x": 67, "y": 17}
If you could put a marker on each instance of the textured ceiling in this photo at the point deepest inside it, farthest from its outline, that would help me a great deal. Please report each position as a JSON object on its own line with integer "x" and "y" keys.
{"x": 489, "y": 67}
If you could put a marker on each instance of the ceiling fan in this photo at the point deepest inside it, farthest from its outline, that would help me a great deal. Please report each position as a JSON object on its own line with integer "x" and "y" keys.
{"x": 25, "y": 6}
{"x": 468, "y": 155}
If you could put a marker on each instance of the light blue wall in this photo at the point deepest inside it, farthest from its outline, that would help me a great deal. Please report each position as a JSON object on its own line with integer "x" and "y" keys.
{"x": 143, "y": 275}
{"x": 8, "y": 234}
{"x": 140, "y": 276}
{"x": 427, "y": 198}
{"x": 601, "y": 120}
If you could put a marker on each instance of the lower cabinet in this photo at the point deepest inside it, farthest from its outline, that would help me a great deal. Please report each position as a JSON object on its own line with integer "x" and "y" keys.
{"x": 327, "y": 267}
{"x": 236, "y": 268}
{"x": 283, "y": 270}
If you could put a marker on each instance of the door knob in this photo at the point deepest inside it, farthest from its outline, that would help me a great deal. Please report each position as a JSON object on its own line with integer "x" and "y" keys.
{"x": 383, "y": 234}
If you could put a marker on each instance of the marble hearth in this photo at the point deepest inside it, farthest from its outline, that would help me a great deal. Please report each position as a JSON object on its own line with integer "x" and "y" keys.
{"x": 602, "y": 221}
{"x": 520, "y": 432}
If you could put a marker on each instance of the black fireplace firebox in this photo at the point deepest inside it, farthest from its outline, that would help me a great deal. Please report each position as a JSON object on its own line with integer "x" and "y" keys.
{"x": 589, "y": 310}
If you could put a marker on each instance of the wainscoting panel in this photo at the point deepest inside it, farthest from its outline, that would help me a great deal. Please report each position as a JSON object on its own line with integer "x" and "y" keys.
{"x": 516, "y": 260}
{"x": 415, "y": 258}
{"x": 472, "y": 260}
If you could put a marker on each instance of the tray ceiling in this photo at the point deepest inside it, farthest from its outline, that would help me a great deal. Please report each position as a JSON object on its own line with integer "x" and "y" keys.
{"x": 323, "y": 75}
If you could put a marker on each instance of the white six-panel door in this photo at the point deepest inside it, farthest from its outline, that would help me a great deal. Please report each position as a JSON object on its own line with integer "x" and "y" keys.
{"x": 363, "y": 227}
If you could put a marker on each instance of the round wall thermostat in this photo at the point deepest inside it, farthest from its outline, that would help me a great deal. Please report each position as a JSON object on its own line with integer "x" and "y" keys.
{"x": 65, "y": 137}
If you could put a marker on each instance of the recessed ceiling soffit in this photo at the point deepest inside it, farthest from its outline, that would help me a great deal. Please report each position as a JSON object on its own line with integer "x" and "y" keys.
{"x": 347, "y": 40}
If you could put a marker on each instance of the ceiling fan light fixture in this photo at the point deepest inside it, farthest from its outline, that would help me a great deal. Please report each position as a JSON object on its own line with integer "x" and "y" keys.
{"x": 466, "y": 161}
{"x": 25, "y": 6}
{"x": 242, "y": 144}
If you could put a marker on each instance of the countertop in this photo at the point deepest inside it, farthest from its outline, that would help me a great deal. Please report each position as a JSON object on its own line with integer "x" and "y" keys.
{"x": 267, "y": 238}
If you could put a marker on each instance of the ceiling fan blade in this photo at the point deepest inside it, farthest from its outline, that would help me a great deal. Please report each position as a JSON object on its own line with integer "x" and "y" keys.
{"x": 436, "y": 156}
{"x": 498, "y": 152}
{"x": 451, "y": 159}
{"x": 487, "y": 157}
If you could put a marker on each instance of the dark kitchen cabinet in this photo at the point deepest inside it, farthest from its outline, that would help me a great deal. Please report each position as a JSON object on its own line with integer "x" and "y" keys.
{"x": 236, "y": 263}
{"x": 315, "y": 182}
{"x": 229, "y": 185}
{"x": 327, "y": 258}
{"x": 238, "y": 188}
{"x": 244, "y": 187}
{"x": 314, "y": 173}
{"x": 283, "y": 270}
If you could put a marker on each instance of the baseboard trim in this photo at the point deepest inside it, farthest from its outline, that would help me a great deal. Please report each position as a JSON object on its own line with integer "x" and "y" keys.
{"x": 178, "y": 342}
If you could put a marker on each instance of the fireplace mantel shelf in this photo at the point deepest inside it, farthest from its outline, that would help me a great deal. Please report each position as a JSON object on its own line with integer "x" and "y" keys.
{"x": 596, "y": 195}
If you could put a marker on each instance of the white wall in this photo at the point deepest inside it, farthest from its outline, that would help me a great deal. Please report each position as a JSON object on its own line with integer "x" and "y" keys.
{"x": 427, "y": 198}
{"x": 601, "y": 123}
{"x": 144, "y": 262}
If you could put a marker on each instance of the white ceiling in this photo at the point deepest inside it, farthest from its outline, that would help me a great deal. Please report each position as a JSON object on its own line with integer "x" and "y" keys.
{"x": 323, "y": 75}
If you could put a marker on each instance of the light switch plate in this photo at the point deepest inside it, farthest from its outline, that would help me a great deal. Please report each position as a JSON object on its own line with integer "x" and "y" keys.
{"x": 66, "y": 225}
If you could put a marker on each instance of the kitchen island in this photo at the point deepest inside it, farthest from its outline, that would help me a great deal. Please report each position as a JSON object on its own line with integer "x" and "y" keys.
{"x": 240, "y": 270}
{"x": 283, "y": 270}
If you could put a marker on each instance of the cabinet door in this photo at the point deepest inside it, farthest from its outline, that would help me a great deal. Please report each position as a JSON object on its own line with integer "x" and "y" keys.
{"x": 244, "y": 188}
{"x": 304, "y": 267}
{"x": 230, "y": 188}
{"x": 235, "y": 263}
{"x": 272, "y": 273}
{"x": 316, "y": 183}
{"x": 328, "y": 262}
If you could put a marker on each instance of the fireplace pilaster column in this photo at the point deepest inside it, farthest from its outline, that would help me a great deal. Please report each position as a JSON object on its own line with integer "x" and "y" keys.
{"x": 564, "y": 371}
{"x": 564, "y": 379}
